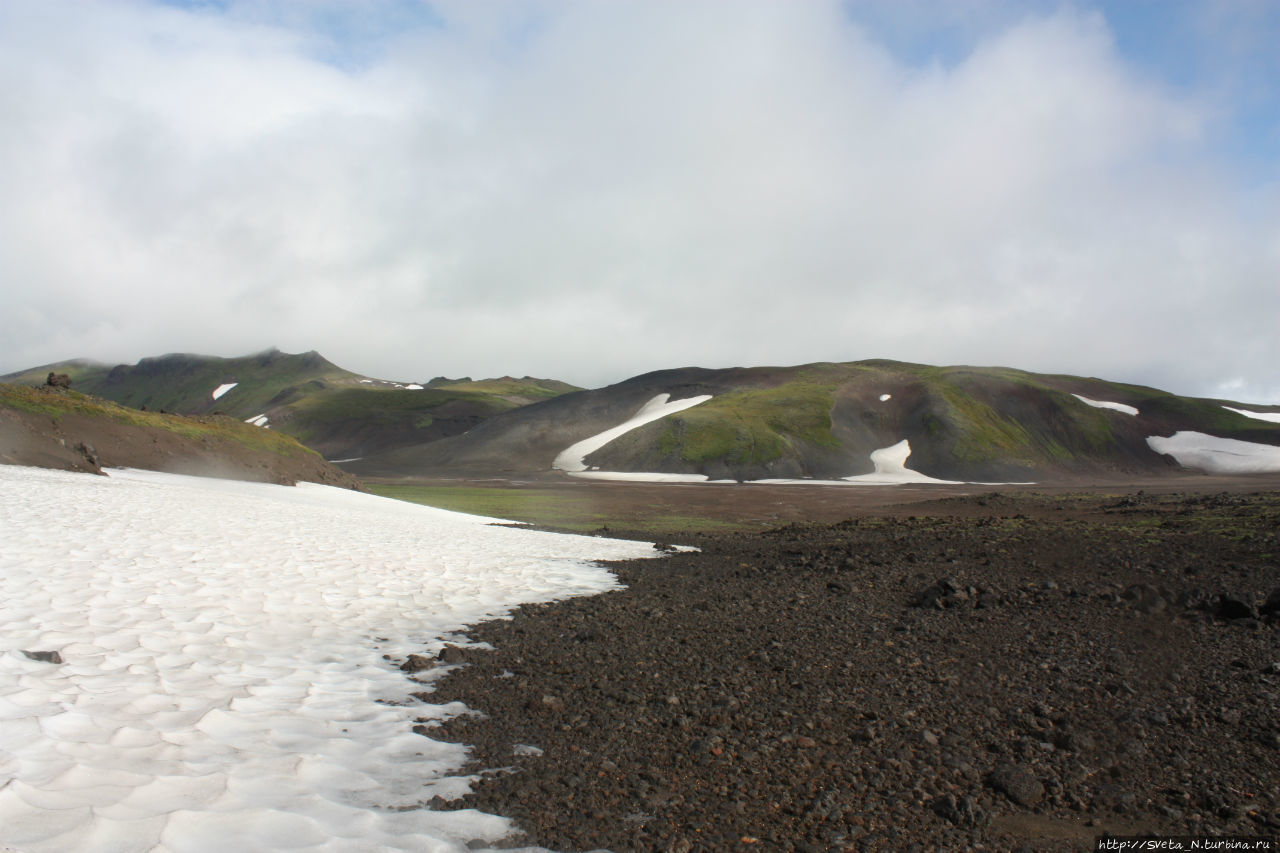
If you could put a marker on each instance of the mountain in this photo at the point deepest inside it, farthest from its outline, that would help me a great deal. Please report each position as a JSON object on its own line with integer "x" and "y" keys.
{"x": 825, "y": 421}
{"x": 334, "y": 411}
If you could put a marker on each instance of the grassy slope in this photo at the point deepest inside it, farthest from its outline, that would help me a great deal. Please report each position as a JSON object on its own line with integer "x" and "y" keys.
{"x": 755, "y": 426}
{"x": 61, "y": 403}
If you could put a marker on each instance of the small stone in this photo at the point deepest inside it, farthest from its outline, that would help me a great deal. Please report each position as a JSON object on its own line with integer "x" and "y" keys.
{"x": 417, "y": 663}
{"x": 1017, "y": 783}
{"x": 43, "y": 657}
{"x": 929, "y": 737}
{"x": 962, "y": 811}
{"x": 452, "y": 654}
{"x": 1234, "y": 607}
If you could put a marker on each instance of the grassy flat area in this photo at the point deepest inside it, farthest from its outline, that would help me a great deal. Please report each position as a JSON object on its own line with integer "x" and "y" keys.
{"x": 580, "y": 510}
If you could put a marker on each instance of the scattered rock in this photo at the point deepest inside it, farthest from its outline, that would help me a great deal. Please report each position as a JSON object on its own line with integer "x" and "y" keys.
{"x": 1234, "y": 607}
{"x": 452, "y": 654}
{"x": 1017, "y": 783}
{"x": 417, "y": 663}
{"x": 44, "y": 657}
{"x": 962, "y": 811}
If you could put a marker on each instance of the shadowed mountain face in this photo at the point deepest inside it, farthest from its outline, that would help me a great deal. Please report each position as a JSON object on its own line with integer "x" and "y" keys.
{"x": 824, "y": 421}
{"x": 336, "y": 412}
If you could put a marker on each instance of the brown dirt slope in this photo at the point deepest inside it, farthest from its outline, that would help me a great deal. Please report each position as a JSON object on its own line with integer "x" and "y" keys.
{"x": 53, "y": 428}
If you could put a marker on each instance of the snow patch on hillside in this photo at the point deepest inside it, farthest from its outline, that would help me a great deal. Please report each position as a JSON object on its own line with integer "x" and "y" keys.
{"x": 572, "y": 460}
{"x": 223, "y": 684}
{"x": 1271, "y": 417}
{"x": 884, "y": 398}
{"x": 257, "y": 420}
{"x": 1218, "y": 455}
{"x": 891, "y": 469}
{"x": 1102, "y": 404}
{"x": 222, "y": 389}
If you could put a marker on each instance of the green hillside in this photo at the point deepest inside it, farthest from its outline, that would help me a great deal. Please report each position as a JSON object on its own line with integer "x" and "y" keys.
{"x": 824, "y": 420}
{"x": 338, "y": 413}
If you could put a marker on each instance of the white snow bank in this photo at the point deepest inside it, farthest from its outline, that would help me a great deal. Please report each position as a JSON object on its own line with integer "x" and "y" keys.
{"x": 885, "y": 397}
{"x": 639, "y": 477}
{"x": 222, "y": 646}
{"x": 1218, "y": 455}
{"x": 257, "y": 420}
{"x": 890, "y": 470}
{"x": 222, "y": 389}
{"x": 1102, "y": 404}
{"x": 1273, "y": 417}
{"x": 414, "y": 387}
{"x": 573, "y": 458}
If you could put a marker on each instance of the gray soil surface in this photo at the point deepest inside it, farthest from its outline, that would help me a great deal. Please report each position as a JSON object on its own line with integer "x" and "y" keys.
{"x": 1002, "y": 671}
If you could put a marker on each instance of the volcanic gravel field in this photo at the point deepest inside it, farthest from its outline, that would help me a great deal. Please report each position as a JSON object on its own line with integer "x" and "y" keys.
{"x": 1001, "y": 672}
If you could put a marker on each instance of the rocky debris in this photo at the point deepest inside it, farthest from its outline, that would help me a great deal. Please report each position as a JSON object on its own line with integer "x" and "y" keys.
{"x": 774, "y": 687}
{"x": 44, "y": 657}
{"x": 58, "y": 380}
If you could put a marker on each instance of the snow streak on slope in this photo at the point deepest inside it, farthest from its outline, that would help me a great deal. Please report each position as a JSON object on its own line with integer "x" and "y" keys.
{"x": 223, "y": 664}
{"x": 222, "y": 389}
{"x": 891, "y": 469}
{"x": 1272, "y": 417}
{"x": 1103, "y": 404}
{"x": 573, "y": 458}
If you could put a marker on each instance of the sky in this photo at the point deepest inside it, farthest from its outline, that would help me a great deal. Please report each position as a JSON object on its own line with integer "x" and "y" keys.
{"x": 590, "y": 190}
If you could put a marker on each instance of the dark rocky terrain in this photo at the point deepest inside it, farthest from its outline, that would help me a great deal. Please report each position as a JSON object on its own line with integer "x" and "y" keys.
{"x": 985, "y": 672}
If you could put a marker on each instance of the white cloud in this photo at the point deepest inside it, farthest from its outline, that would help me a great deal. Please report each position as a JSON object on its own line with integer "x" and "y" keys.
{"x": 591, "y": 191}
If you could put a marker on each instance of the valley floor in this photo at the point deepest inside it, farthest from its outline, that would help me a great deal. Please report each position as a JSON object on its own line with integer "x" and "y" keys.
{"x": 1011, "y": 671}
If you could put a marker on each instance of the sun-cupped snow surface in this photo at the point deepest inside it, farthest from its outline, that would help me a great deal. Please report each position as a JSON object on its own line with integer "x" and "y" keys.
{"x": 1273, "y": 417}
{"x": 224, "y": 388}
{"x": 1218, "y": 455}
{"x": 1103, "y": 404}
{"x": 572, "y": 460}
{"x": 223, "y": 685}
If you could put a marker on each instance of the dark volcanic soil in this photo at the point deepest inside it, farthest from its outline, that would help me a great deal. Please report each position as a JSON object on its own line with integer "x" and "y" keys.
{"x": 992, "y": 673}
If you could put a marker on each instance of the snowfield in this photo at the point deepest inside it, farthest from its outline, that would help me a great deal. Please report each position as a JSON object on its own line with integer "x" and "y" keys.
{"x": 223, "y": 685}
{"x": 1218, "y": 455}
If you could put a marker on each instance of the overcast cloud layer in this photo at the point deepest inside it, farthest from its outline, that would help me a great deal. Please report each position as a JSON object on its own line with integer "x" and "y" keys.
{"x": 590, "y": 190}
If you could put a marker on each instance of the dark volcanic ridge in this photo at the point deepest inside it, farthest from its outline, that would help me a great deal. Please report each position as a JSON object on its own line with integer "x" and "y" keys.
{"x": 1005, "y": 673}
